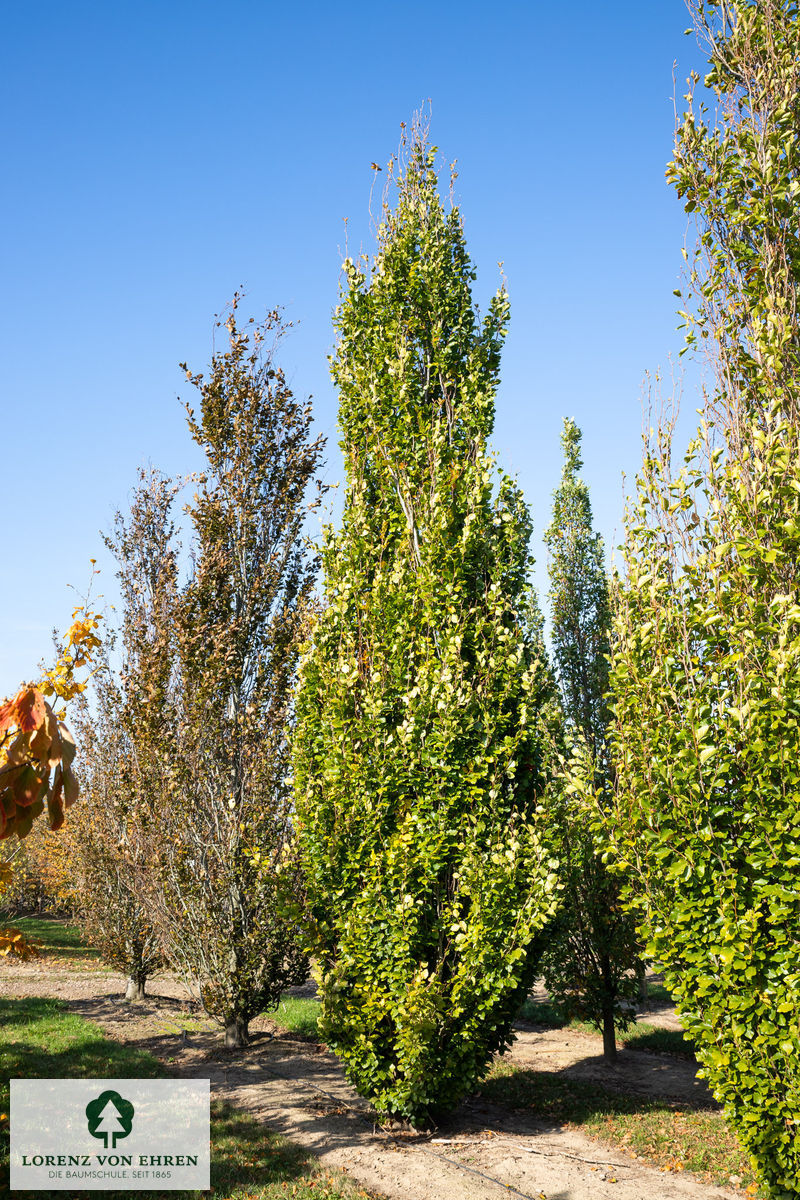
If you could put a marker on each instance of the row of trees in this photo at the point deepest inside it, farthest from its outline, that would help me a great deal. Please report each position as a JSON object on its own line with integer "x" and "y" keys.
{"x": 191, "y": 848}
{"x": 419, "y": 799}
{"x": 181, "y": 847}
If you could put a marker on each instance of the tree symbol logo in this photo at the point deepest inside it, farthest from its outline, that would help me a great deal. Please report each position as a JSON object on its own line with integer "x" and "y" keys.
{"x": 109, "y": 1117}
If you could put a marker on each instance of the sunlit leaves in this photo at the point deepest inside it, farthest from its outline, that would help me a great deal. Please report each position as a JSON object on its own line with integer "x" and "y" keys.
{"x": 13, "y": 944}
{"x": 706, "y": 667}
{"x": 420, "y": 754}
{"x": 80, "y": 644}
{"x": 36, "y": 753}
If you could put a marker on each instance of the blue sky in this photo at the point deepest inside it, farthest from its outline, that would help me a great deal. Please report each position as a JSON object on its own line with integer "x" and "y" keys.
{"x": 160, "y": 156}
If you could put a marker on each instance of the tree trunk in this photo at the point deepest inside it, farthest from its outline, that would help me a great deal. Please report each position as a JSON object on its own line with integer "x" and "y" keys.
{"x": 609, "y": 1036}
{"x": 135, "y": 987}
{"x": 641, "y": 976}
{"x": 237, "y": 1033}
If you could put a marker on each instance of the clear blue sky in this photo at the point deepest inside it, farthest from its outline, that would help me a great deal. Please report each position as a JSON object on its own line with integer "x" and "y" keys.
{"x": 159, "y": 156}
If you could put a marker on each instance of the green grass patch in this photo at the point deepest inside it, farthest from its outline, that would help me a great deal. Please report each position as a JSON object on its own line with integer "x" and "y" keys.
{"x": 658, "y": 994}
{"x": 53, "y": 937}
{"x": 663, "y": 1134}
{"x": 543, "y": 1012}
{"x": 297, "y": 1014}
{"x": 644, "y": 1036}
{"x": 42, "y": 1039}
{"x": 641, "y": 1036}
{"x": 552, "y": 1016}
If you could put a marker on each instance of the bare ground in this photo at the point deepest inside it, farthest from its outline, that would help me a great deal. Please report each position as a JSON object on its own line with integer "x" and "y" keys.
{"x": 297, "y": 1087}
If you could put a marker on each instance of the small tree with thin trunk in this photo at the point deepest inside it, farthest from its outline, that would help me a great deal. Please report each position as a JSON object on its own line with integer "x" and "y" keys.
{"x": 125, "y": 746}
{"x": 592, "y": 953}
{"x": 225, "y": 871}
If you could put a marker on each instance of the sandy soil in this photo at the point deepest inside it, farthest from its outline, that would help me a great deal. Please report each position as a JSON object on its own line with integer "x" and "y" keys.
{"x": 297, "y": 1087}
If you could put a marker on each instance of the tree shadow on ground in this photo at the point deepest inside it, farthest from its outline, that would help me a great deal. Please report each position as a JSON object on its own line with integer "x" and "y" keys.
{"x": 244, "y": 1154}
{"x": 555, "y": 1098}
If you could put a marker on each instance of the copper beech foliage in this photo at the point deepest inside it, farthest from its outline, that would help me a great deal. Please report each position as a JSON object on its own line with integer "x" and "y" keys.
{"x": 226, "y": 821}
{"x": 124, "y": 743}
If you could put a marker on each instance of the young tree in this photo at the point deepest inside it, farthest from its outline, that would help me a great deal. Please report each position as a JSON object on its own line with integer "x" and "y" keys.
{"x": 224, "y": 849}
{"x": 592, "y": 953}
{"x": 419, "y": 756}
{"x": 706, "y": 663}
{"x": 112, "y": 855}
{"x": 126, "y": 750}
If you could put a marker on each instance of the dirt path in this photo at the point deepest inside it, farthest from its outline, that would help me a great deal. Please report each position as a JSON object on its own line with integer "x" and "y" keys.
{"x": 298, "y": 1088}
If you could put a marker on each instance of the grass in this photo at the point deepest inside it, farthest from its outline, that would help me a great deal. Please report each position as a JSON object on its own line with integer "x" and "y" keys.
{"x": 41, "y": 1039}
{"x": 297, "y": 1014}
{"x": 644, "y": 1036}
{"x": 641, "y": 1036}
{"x": 53, "y": 937}
{"x": 658, "y": 994}
{"x": 544, "y": 1012}
{"x": 665, "y": 1135}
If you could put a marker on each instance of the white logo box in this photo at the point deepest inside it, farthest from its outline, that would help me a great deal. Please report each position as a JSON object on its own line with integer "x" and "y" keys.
{"x": 138, "y": 1134}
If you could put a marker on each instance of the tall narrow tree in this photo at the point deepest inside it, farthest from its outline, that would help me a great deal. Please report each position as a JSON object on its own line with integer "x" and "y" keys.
{"x": 592, "y": 952}
{"x": 706, "y": 665}
{"x": 125, "y": 747}
{"x": 238, "y": 625}
{"x": 420, "y": 761}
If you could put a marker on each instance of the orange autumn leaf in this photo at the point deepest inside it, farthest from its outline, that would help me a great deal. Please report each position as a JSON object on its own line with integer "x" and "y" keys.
{"x": 26, "y": 710}
{"x": 27, "y": 787}
{"x": 35, "y": 766}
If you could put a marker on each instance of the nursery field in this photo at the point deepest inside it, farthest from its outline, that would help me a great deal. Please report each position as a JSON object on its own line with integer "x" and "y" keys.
{"x": 372, "y": 832}
{"x": 551, "y": 1120}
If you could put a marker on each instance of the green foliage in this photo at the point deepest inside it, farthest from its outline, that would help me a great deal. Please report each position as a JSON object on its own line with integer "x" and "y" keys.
{"x": 420, "y": 757}
{"x": 592, "y": 949}
{"x": 579, "y": 604}
{"x": 706, "y": 670}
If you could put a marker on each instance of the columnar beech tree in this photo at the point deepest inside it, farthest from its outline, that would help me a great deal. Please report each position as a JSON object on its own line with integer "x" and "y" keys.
{"x": 419, "y": 753}
{"x": 592, "y": 951}
{"x": 706, "y": 667}
{"x": 125, "y": 747}
{"x": 224, "y": 850}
